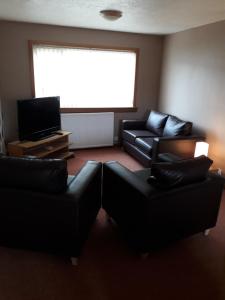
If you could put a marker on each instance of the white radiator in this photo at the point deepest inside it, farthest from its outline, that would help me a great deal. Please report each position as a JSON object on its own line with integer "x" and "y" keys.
{"x": 89, "y": 129}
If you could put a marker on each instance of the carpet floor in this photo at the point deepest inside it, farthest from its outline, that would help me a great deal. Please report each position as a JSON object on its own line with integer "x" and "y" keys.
{"x": 193, "y": 268}
{"x": 103, "y": 155}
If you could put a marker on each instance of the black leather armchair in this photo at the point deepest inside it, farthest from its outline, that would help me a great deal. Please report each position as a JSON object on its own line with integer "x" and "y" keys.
{"x": 146, "y": 139}
{"x": 43, "y": 209}
{"x": 149, "y": 217}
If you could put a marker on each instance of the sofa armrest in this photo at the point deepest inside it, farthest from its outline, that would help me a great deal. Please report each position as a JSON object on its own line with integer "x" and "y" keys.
{"x": 85, "y": 179}
{"x": 124, "y": 193}
{"x": 183, "y": 146}
{"x": 133, "y": 124}
{"x": 114, "y": 171}
{"x": 179, "y": 137}
{"x": 85, "y": 191}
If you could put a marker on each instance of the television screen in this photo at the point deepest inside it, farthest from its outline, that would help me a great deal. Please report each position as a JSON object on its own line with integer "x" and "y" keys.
{"x": 38, "y": 117}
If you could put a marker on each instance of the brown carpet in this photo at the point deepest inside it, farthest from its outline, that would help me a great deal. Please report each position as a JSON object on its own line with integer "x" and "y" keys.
{"x": 190, "y": 269}
{"x": 103, "y": 155}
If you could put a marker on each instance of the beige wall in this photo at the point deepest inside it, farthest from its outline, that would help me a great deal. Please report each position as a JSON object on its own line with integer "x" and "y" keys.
{"x": 193, "y": 82}
{"x": 14, "y": 64}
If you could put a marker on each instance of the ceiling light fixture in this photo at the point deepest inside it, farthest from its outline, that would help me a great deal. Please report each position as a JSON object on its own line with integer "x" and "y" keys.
{"x": 111, "y": 14}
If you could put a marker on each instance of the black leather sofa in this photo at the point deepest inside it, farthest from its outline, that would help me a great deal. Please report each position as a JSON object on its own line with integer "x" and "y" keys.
{"x": 41, "y": 208}
{"x": 160, "y": 133}
{"x": 150, "y": 216}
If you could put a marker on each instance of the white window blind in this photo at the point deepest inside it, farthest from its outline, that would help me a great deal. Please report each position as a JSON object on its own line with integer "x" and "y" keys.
{"x": 85, "y": 78}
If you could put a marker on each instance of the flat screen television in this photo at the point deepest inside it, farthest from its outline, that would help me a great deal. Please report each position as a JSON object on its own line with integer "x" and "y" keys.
{"x": 38, "y": 117}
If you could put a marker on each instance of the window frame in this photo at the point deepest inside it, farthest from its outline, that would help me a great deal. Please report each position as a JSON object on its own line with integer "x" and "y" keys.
{"x": 134, "y": 108}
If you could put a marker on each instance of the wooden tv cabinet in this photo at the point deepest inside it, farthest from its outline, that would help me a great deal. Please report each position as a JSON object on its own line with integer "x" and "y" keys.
{"x": 55, "y": 146}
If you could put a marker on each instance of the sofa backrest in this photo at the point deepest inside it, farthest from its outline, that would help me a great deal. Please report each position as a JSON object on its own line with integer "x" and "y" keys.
{"x": 41, "y": 175}
{"x": 175, "y": 127}
{"x": 156, "y": 122}
{"x": 167, "y": 175}
{"x": 167, "y": 125}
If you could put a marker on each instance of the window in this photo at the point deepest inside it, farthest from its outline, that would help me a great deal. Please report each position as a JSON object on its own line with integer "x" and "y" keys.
{"x": 85, "y": 78}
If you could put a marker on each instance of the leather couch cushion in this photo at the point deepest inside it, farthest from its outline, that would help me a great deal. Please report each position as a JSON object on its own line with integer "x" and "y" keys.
{"x": 145, "y": 144}
{"x": 43, "y": 175}
{"x": 175, "y": 126}
{"x": 156, "y": 122}
{"x": 131, "y": 135}
{"x": 168, "y": 175}
{"x": 144, "y": 159}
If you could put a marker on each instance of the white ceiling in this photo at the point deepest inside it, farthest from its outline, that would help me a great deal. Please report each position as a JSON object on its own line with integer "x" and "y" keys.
{"x": 140, "y": 16}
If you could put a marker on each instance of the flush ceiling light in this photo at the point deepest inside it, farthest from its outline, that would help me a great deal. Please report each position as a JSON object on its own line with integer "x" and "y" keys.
{"x": 111, "y": 14}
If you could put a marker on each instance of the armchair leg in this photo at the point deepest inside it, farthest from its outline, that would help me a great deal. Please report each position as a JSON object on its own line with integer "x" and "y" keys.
{"x": 206, "y": 232}
{"x": 74, "y": 261}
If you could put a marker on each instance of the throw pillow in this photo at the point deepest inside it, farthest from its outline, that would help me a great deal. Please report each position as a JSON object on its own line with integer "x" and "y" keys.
{"x": 156, "y": 122}
{"x": 175, "y": 127}
{"x": 169, "y": 175}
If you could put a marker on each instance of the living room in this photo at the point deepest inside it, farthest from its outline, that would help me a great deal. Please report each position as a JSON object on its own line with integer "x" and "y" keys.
{"x": 180, "y": 72}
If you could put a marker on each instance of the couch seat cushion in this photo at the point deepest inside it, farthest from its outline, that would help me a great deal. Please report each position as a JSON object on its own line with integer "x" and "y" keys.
{"x": 175, "y": 126}
{"x": 144, "y": 144}
{"x": 131, "y": 135}
{"x": 156, "y": 122}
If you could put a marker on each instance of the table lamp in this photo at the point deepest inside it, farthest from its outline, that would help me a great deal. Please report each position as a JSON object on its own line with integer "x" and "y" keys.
{"x": 201, "y": 148}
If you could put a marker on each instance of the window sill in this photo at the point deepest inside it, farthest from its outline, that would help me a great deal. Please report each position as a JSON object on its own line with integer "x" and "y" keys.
{"x": 100, "y": 109}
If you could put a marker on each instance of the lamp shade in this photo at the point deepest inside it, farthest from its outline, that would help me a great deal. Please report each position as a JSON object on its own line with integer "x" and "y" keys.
{"x": 201, "y": 148}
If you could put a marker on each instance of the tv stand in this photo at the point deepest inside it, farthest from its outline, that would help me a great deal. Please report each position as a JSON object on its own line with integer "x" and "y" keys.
{"x": 54, "y": 146}
{"x": 35, "y": 139}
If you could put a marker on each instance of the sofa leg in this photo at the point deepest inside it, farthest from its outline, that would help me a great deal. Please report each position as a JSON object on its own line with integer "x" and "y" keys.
{"x": 206, "y": 232}
{"x": 74, "y": 261}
